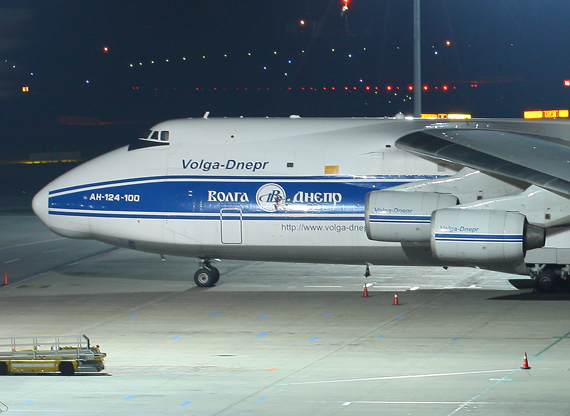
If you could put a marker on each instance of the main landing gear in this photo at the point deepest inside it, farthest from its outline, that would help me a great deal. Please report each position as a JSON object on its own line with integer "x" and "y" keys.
{"x": 549, "y": 278}
{"x": 207, "y": 275}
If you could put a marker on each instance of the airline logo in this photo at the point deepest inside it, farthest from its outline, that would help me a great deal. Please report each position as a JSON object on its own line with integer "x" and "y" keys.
{"x": 270, "y": 196}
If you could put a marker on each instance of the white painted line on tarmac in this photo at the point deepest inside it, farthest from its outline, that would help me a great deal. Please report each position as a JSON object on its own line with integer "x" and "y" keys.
{"x": 69, "y": 264}
{"x": 43, "y": 410}
{"x": 409, "y": 402}
{"x": 11, "y": 261}
{"x": 380, "y": 288}
{"x": 472, "y": 400}
{"x": 322, "y": 286}
{"x": 352, "y": 380}
{"x": 414, "y": 288}
{"x": 53, "y": 251}
{"x": 32, "y": 243}
{"x": 463, "y": 287}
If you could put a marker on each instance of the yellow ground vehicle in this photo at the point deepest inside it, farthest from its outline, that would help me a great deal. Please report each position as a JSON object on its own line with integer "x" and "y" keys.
{"x": 50, "y": 354}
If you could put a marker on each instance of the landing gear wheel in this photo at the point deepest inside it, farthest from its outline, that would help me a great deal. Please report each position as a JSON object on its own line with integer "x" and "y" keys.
{"x": 216, "y": 273}
{"x": 66, "y": 368}
{"x": 546, "y": 281}
{"x": 206, "y": 277}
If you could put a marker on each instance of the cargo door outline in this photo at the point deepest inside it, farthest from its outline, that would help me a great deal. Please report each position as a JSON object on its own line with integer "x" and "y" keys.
{"x": 231, "y": 226}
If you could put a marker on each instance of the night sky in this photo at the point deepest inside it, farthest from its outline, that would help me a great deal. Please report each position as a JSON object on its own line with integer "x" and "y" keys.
{"x": 168, "y": 59}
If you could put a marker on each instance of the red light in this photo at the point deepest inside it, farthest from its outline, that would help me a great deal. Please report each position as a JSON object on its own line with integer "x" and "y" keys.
{"x": 389, "y": 88}
{"x": 106, "y": 49}
{"x": 346, "y": 88}
{"x": 411, "y": 87}
{"x": 445, "y": 87}
{"x": 367, "y": 88}
{"x": 567, "y": 82}
{"x": 425, "y": 88}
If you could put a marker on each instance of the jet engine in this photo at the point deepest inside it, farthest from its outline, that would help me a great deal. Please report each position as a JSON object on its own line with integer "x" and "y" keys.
{"x": 403, "y": 216}
{"x": 482, "y": 235}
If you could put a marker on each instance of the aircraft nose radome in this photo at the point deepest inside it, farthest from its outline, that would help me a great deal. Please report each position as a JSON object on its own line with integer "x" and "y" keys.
{"x": 65, "y": 226}
{"x": 40, "y": 205}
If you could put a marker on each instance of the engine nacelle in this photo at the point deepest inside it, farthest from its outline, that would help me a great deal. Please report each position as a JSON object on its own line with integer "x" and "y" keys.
{"x": 403, "y": 216}
{"x": 482, "y": 235}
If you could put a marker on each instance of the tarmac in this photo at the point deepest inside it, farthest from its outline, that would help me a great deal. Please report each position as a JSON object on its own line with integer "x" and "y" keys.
{"x": 277, "y": 338}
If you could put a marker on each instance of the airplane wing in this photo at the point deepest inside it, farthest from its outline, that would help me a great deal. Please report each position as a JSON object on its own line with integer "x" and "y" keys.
{"x": 536, "y": 159}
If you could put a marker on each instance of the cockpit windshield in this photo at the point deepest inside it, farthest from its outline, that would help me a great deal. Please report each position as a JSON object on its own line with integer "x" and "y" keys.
{"x": 145, "y": 134}
{"x": 151, "y": 138}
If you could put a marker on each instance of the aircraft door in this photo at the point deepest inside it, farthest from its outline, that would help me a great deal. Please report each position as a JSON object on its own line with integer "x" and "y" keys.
{"x": 231, "y": 225}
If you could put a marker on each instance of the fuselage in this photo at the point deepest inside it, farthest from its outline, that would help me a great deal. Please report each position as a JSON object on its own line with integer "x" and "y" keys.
{"x": 262, "y": 189}
{"x": 292, "y": 190}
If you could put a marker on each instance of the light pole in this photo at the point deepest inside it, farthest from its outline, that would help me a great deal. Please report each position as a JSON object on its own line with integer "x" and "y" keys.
{"x": 417, "y": 62}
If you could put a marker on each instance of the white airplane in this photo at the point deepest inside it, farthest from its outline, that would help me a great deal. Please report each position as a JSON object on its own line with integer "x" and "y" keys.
{"x": 373, "y": 191}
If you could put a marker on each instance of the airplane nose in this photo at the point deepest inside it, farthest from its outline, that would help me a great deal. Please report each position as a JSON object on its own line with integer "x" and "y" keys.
{"x": 66, "y": 226}
{"x": 40, "y": 205}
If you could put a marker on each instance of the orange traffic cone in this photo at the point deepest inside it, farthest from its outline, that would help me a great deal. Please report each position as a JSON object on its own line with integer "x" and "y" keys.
{"x": 525, "y": 365}
{"x": 396, "y": 298}
{"x": 365, "y": 293}
{"x": 5, "y": 278}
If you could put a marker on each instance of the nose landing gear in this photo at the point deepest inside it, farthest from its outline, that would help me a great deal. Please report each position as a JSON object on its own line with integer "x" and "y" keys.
{"x": 207, "y": 275}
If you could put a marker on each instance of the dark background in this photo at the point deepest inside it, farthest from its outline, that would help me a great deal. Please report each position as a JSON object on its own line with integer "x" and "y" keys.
{"x": 174, "y": 58}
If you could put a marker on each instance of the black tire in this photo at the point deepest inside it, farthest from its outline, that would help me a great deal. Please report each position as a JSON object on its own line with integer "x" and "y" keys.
{"x": 3, "y": 369}
{"x": 206, "y": 277}
{"x": 66, "y": 368}
{"x": 546, "y": 281}
{"x": 216, "y": 274}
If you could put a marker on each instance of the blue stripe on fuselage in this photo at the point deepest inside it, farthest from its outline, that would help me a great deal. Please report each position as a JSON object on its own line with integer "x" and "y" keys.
{"x": 191, "y": 197}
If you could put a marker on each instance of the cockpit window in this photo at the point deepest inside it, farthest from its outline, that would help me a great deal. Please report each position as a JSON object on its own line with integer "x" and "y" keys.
{"x": 144, "y": 135}
{"x": 150, "y": 139}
